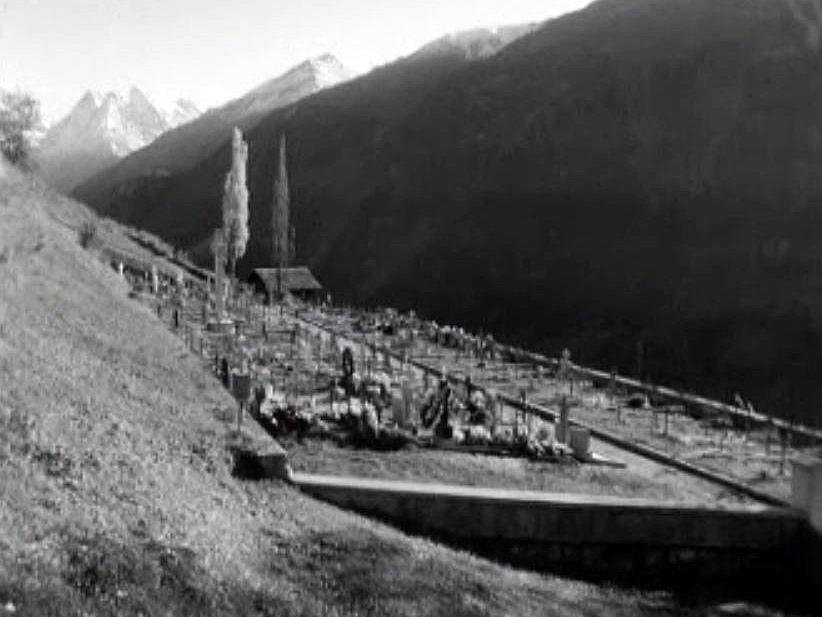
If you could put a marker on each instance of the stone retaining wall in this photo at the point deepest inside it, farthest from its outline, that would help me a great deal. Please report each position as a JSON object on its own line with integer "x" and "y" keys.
{"x": 635, "y": 540}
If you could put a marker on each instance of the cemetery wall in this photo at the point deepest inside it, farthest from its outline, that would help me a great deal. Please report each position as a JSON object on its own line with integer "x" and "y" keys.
{"x": 594, "y": 535}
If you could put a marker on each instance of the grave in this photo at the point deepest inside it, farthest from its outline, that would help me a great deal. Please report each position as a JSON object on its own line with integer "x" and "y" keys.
{"x": 806, "y": 489}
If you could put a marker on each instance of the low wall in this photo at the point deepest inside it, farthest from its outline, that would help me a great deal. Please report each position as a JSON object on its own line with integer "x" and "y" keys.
{"x": 641, "y": 541}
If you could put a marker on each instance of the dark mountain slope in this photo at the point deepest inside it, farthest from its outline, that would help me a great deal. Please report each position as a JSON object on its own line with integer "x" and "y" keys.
{"x": 642, "y": 171}
{"x": 341, "y": 129}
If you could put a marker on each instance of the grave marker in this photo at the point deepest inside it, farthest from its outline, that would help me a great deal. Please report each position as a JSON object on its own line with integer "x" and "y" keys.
{"x": 218, "y": 247}
{"x": 564, "y": 416}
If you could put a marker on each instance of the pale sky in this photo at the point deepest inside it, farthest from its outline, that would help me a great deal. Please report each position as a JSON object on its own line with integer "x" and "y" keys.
{"x": 211, "y": 51}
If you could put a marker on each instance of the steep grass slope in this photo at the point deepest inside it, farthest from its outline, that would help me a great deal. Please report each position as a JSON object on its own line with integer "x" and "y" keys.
{"x": 116, "y": 493}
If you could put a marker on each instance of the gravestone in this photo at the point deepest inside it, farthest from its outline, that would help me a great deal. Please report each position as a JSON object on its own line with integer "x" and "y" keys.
{"x": 492, "y": 407}
{"x": 564, "y": 370}
{"x": 564, "y": 417}
{"x": 523, "y": 399}
{"x": 348, "y": 370}
{"x": 407, "y": 399}
{"x": 580, "y": 441}
{"x": 241, "y": 389}
{"x": 180, "y": 283}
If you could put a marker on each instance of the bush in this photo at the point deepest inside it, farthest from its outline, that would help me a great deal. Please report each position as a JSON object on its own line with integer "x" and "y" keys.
{"x": 88, "y": 235}
{"x": 19, "y": 116}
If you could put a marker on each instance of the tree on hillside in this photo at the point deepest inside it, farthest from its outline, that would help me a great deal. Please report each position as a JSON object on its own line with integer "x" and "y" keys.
{"x": 235, "y": 203}
{"x": 19, "y": 115}
{"x": 282, "y": 234}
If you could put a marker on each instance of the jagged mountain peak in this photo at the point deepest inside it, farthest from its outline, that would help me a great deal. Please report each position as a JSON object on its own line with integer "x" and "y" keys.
{"x": 91, "y": 98}
{"x": 181, "y": 112}
{"x": 325, "y": 70}
{"x": 301, "y": 80}
{"x": 138, "y": 97}
{"x": 327, "y": 61}
{"x": 329, "y": 71}
{"x": 101, "y": 128}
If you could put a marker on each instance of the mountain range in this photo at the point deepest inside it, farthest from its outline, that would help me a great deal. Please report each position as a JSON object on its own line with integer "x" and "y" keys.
{"x": 101, "y": 129}
{"x": 636, "y": 181}
{"x": 189, "y": 144}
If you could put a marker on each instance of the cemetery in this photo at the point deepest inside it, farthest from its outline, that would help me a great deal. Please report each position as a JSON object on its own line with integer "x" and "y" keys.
{"x": 338, "y": 404}
{"x": 430, "y": 427}
{"x": 366, "y": 423}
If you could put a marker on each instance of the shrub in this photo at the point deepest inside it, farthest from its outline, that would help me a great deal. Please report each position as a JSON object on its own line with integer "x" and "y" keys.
{"x": 88, "y": 235}
{"x": 19, "y": 116}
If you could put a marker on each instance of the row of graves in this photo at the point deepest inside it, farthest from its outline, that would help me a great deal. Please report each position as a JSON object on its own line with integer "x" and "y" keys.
{"x": 314, "y": 384}
{"x": 305, "y": 382}
{"x": 384, "y": 398}
{"x": 733, "y": 445}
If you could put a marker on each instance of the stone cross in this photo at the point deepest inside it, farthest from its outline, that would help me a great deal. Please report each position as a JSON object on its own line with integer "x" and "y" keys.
{"x": 180, "y": 283}
{"x": 218, "y": 247}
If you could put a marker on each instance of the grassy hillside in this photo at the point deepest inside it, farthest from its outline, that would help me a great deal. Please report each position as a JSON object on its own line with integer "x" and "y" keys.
{"x": 639, "y": 173}
{"x": 117, "y": 493}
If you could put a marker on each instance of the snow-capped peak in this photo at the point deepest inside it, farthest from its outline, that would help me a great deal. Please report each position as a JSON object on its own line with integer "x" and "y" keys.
{"x": 479, "y": 42}
{"x": 104, "y": 127}
{"x": 306, "y": 78}
{"x": 329, "y": 71}
{"x": 181, "y": 112}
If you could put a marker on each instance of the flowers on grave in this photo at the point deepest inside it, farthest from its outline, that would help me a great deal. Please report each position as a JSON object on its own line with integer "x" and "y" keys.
{"x": 271, "y": 403}
{"x": 477, "y": 436}
{"x": 503, "y": 436}
{"x": 370, "y": 422}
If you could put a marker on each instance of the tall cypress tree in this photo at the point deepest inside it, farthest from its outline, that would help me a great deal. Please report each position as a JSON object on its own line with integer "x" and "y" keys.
{"x": 281, "y": 233}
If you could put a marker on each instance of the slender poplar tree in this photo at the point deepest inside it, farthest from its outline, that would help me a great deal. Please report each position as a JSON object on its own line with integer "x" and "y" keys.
{"x": 235, "y": 203}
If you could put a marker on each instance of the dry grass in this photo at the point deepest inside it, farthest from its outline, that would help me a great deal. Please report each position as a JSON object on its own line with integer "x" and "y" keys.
{"x": 117, "y": 493}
